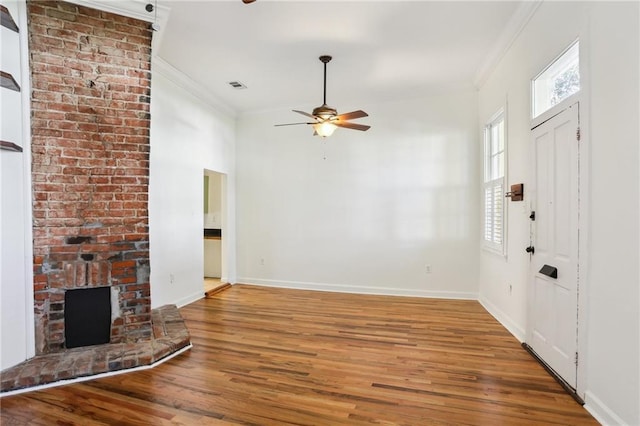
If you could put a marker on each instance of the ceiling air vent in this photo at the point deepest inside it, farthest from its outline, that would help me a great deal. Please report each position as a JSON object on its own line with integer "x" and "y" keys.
{"x": 237, "y": 85}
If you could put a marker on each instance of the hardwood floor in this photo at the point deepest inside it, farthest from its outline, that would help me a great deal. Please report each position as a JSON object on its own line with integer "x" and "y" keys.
{"x": 266, "y": 356}
{"x": 212, "y": 286}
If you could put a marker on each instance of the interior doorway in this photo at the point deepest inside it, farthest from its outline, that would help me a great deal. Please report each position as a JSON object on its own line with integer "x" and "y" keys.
{"x": 214, "y": 219}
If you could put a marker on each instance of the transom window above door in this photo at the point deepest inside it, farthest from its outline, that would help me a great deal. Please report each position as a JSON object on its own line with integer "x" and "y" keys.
{"x": 557, "y": 81}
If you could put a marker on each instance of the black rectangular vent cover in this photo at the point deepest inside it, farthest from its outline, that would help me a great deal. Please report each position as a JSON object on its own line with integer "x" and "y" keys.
{"x": 87, "y": 317}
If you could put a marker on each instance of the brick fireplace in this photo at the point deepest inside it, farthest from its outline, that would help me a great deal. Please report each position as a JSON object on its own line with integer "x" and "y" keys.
{"x": 91, "y": 81}
{"x": 90, "y": 99}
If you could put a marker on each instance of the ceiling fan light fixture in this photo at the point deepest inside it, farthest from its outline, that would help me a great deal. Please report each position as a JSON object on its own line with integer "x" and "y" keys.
{"x": 324, "y": 129}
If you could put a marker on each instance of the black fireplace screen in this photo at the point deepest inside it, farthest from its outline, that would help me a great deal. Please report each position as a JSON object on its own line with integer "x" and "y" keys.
{"x": 87, "y": 317}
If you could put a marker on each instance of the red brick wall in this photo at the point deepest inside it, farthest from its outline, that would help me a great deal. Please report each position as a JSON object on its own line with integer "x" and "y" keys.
{"x": 90, "y": 97}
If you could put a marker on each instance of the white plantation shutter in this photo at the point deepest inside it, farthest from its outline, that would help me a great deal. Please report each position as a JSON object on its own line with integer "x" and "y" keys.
{"x": 493, "y": 212}
{"x": 494, "y": 184}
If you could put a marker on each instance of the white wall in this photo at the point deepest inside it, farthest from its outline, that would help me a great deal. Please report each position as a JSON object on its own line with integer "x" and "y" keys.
{"x": 614, "y": 279}
{"x": 362, "y": 211}
{"x": 16, "y": 291}
{"x": 187, "y": 137}
{"x": 609, "y": 372}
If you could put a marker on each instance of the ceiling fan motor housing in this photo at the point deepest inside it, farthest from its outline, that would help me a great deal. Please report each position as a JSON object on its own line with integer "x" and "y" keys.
{"x": 324, "y": 111}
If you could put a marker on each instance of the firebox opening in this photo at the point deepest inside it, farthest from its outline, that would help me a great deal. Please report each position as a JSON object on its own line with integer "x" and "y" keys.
{"x": 87, "y": 317}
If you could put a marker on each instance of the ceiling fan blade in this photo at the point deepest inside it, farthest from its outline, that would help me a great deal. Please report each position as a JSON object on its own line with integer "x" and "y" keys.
{"x": 290, "y": 124}
{"x": 351, "y": 115}
{"x": 353, "y": 126}
{"x": 248, "y": 1}
{"x": 305, "y": 113}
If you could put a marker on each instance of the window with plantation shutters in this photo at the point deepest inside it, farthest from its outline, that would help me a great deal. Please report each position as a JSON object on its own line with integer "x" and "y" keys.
{"x": 493, "y": 183}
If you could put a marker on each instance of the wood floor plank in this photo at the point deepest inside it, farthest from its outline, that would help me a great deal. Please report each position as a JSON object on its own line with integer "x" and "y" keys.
{"x": 268, "y": 356}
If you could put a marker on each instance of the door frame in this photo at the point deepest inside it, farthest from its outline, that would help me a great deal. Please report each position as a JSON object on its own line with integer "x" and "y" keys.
{"x": 224, "y": 219}
{"x": 583, "y": 219}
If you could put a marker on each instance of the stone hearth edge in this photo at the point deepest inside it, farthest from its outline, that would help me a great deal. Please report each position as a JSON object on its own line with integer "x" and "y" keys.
{"x": 170, "y": 335}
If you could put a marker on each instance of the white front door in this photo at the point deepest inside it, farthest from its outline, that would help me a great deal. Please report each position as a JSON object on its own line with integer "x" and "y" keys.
{"x": 553, "y": 301}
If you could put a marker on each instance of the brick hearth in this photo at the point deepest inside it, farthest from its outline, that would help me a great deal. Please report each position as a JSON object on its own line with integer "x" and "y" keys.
{"x": 169, "y": 336}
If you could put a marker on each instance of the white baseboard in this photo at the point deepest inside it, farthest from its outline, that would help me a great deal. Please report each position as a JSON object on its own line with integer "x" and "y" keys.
{"x": 603, "y": 414}
{"x": 503, "y": 319}
{"x": 343, "y": 288}
{"x": 189, "y": 299}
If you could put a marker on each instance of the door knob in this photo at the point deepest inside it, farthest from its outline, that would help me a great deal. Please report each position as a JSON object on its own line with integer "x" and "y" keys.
{"x": 530, "y": 250}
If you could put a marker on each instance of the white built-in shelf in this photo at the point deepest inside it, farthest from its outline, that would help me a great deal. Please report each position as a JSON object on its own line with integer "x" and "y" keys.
{"x": 7, "y": 20}
{"x": 10, "y": 146}
{"x": 8, "y": 82}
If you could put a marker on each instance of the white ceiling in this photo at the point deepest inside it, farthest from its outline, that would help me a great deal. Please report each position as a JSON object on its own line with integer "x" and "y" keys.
{"x": 382, "y": 50}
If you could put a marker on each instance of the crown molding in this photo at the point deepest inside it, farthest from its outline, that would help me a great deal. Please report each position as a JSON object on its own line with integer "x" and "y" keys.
{"x": 185, "y": 82}
{"x": 514, "y": 27}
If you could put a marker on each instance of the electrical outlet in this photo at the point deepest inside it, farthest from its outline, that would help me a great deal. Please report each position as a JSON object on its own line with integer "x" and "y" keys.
{"x": 510, "y": 289}
{"x": 171, "y": 278}
{"x": 262, "y": 261}
{"x": 428, "y": 268}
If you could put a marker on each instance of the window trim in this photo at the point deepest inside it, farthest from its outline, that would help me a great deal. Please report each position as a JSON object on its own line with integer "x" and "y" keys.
{"x": 492, "y": 246}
